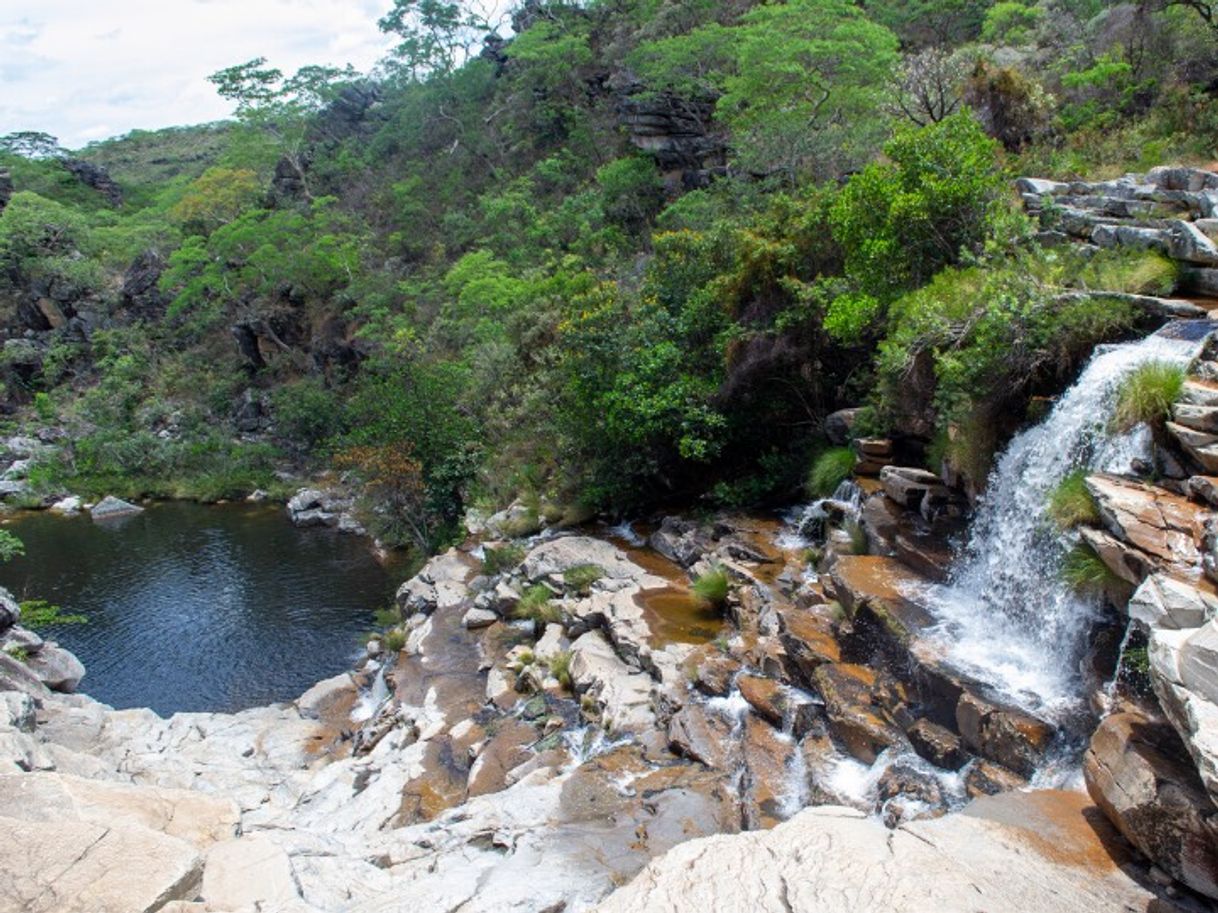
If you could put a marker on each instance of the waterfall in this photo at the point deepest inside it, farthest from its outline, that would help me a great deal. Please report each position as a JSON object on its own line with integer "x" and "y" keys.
{"x": 1006, "y": 617}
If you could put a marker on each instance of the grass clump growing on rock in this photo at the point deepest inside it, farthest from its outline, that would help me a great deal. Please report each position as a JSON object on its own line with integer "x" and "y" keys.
{"x": 712, "y": 587}
{"x": 1071, "y": 504}
{"x": 394, "y": 640}
{"x": 560, "y": 668}
{"x": 581, "y": 577}
{"x": 829, "y": 471}
{"x": 1138, "y": 273}
{"x": 1084, "y": 572}
{"x": 537, "y": 605}
{"x": 503, "y": 558}
{"x": 1147, "y": 394}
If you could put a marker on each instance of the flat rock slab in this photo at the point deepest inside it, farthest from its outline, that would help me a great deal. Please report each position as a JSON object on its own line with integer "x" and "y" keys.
{"x": 48, "y": 798}
{"x": 78, "y": 867}
{"x": 1052, "y": 852}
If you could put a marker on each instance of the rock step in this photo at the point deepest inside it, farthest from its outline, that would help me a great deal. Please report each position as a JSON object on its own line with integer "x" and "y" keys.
{"x": 1014, "y": 853}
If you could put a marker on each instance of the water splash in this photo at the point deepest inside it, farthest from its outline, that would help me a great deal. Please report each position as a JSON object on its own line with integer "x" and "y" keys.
{"x": 1007, "y": 618}
{"x": 807, "y": 525}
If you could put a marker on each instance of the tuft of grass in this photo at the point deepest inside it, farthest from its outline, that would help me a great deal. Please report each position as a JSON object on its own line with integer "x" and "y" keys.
{"x": 581, "y": 577}
{"x": 712, "y": 587}
{"x": 831, "y": 468}
{"x": 858, "y": 537}
{"x": 504, "y": 558}
{"x": 21, "y": 654}
{"x": 537, "y": 605}
{"x": 1084, "y": 572}
{"x": 560, "y": 668}
{"x": 1071, "y": 504}
{"x": 1146, "y": 395}
{"x": 394, "y": 640}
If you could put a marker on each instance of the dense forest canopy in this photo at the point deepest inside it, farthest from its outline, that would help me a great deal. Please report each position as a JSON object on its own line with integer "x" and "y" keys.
{"x": 594, "y": 256}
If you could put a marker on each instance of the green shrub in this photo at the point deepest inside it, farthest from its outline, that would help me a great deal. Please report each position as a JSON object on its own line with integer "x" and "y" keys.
{"x": 394, "y": 640}
{"x": 581, "y": 577}
{"x": 858, "y": 537}
{"x": 502, "y": 558}
{"x": 1147, "y": 394}
{"x": 537, "y": 605}
{"x": 1071, "y": 504}
{"x": 712, "y": 587}
{"x": 829, "y": 471}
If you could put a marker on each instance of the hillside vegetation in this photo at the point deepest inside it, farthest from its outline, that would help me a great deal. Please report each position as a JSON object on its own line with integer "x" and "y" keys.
{"x": 606, "y": 255}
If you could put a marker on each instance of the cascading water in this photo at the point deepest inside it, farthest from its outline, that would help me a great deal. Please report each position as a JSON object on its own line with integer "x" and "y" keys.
{"x": 1007, "y": 617}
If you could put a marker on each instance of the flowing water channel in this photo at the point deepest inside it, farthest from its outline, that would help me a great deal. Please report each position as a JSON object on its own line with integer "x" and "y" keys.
{"x": 200, "y": 608}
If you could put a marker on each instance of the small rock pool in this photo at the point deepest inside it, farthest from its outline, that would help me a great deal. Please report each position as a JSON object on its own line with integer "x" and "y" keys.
{"x": 200, "y": 608}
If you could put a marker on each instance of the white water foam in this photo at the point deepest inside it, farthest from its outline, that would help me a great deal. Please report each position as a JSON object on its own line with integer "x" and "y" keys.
{"x": 1007, "y": 617}
{"x": 371, "y": 698}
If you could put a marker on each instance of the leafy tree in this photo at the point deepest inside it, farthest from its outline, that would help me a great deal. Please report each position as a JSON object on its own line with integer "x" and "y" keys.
{"x": 808, "y": 78}
{"x": 435, "y": 36}
{"x": 215, "y": 198}
{"x": 31, "y": 144}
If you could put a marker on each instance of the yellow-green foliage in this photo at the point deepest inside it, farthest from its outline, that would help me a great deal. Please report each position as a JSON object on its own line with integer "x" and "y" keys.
{"x": 560, "y": 668}
{"x": 1147, "y": 394}
{"x": 1071, "y": 504}
{"x": 581, "y": 577}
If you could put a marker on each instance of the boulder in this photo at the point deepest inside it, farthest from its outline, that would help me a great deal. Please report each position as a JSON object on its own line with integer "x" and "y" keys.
{"x": 908, "y": 486}
{"x": 55, "y": 667}
{"x": 694, "y": 734}
{"x": 67, "y": 506}
{"x": 621, "y": 694}
{"x": 479, "y": 618}
{"x": 984, "y": 778}
{"x": 1167, "y": 602}
{"x": 1165, "y": 526}
{"x": 10, "y": 610}
{"x": 1138, "y": 772}
{"x": 808, "y": 640}
{"x": 110, "y": 508}
{"x": 1194, "y": 715}
{"x": 765, "y": 783}
{"x": 937, "y": 744}
{"x": 1198, "y": 418}
{"x": 1201, "y": 446}
{"x": 838, "y": 425}
{"x": 855, "y": 714}
{"x": 1010, "y": 737}
{"x": 550, "y": 560}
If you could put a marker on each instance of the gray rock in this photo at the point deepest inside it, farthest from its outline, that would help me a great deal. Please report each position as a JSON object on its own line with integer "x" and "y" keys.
{"x": 479, "y": 618}
{"x": 110, "y": 508}
{"x": 56, "y": 667}
{"x": 1167, "y": 602}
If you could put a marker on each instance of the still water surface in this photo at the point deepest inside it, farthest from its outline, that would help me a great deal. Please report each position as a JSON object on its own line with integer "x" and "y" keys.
{"x": 195, "y": 607}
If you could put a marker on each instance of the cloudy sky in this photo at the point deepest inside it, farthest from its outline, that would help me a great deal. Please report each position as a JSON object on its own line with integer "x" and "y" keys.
{"x": 84, "y": 70}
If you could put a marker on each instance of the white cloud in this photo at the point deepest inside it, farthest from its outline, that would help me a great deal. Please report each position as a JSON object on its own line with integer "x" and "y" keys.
{"x": 86, "y": 71}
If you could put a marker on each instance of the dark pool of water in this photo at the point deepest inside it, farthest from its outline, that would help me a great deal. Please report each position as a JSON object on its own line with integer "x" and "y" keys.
{"x": 196, "y": 607}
